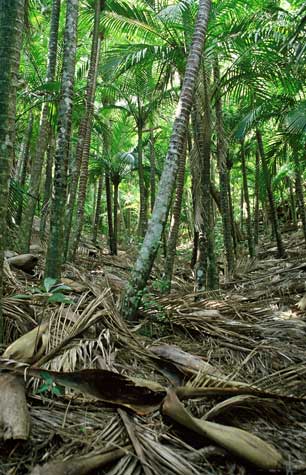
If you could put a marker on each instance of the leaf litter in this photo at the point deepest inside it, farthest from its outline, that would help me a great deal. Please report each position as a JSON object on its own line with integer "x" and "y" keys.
{"x": 224, "y": 370}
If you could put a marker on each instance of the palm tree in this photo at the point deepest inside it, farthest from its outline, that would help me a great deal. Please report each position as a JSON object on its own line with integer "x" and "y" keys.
{"x": 206, "y": 275}
{"x": 21, "y": 173}
{"x": 83, "y": 149}
{"x": 223, "y": 172}
{"x": 97, "y": 216}
{"x": 175, "y": 220}
{"x": 256, "y": 210}
{"x": 54, "y": 257}
{"x": 42, "y": 140}
{"x": 247, "y": 200}
{"x": 273, "y": 213}
{"x": 153, "y": 235}
{"x": 11, "y": 27}
{"x": 118, "y": 161}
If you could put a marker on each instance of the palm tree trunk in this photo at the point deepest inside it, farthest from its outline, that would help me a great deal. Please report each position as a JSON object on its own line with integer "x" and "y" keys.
{"x": 292, "y": 204}
{"x": 273, "y": 214}
{"x": 152, "y": 169}
{"x": 41, "y": 144}
{"x": 223, "y": 176}
{"x": 256, "y": 210}
{"x": 86, "y": 139}
{"x": 242, "y": 208}
{"x": 153, "y": 235}
{"x": 23, "y": 164}
{"x": 206, "y": 272}
{"x": 54, "y": 257}
{"x": 97, "y": 220}
{"x": 247, "y": 202}
{"x": 11, "y": 27}
{"x": 115, "y": 180}
{"x": 175, "y": 220}
{"x": 231, "y": 207}
{"x": 111, "y": 238}
{"x": 143, "y": 212}
{"x": 47, "y": 189}
{"x": 299, "y": 189}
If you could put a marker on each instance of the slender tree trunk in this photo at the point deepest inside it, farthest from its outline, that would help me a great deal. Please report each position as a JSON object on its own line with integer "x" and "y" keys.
{"x": 206, "y": 272}
{"x": 152, "y": 169}
{"x": 116, "y": 182}
{"x": 47, "y": 189}
{"x": 11, "y": 27}
{"x": 111, "y": 237}
{"x": 143, "y": 212}
{"x": 94, "y": 204}
{"x": 90, "y": 97}
{"x": 97, "y": 220}
{"x": 299, "y": 189}
{"x": 55, "y": 256}
{"x": 292, "y": 204}
{"x": 195, "y": 249}
{"x": 256, "y": 208}
{"x": 194, "y": 186}
{"x": 153, "y": 235}
{"x": 41, "y": 144}
{"x": 242, "y": 207}
{"x": 273, "y": 214}
{"x": 231, "y": 210}
{"x": 175, "y": 220}
{"x": 247, "y": 202}
{"x": 223, "y": 176}
{"x": 23, "y": 165}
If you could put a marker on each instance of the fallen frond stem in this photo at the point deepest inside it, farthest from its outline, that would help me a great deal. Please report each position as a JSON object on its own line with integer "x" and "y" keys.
{"x": 81, "y": 465}
{"x": 237, "y": 441}
{"x": 187, "y": 392}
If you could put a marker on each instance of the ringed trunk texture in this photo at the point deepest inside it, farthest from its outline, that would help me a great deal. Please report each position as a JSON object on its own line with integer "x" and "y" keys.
{"x": 11, "y": 27}
{"x": 153, "y": 235}
{"x": 23, "y": 165}
{"x": 41, "y": 144}
{"x": 116, "y": 182}
{"x": 97, "y": 220}
{"x": 47, "y": 189}
{"x": 152, "y": 169}
{"x": 111, "y": 237}
{"x": 206, "y": 274}
{"x": 273, "y": 213}
{"x": 143, "y": 212}
{"x": 54, "y": 257}
{"x": 292, "y": 204}
{"x": 247, "y": 202}
{"x": 90, "y": 97}
{"x": 299, "y": 189}
{"x": 223, "y": 176}
{"x": 175, "y": 219}
{"x": 256, "y": 210}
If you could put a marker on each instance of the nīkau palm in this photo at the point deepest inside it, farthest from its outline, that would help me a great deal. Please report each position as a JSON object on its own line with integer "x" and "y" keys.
{"x": 11, "y": 27}
{"x": 153, "y": 235}
{"x": 42, "y": 140}
{"x": 83, "y": 149}
{"x": 54, "y": 257}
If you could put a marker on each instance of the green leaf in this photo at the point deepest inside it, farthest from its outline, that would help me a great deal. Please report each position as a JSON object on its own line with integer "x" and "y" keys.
{"x": 49, "y": 282}
{"x": 59, "y": 297}
{"x": 43, "y": 388}
{"x": 23, "y": 296}
{"x": 61, "y": 287}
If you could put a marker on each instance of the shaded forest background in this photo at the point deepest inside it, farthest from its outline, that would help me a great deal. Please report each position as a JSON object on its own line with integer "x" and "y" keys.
{"x": 155, "y": 149}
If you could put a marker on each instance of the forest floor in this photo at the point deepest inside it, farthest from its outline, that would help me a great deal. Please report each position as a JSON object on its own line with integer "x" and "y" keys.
{"x": 245, "y": 344}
